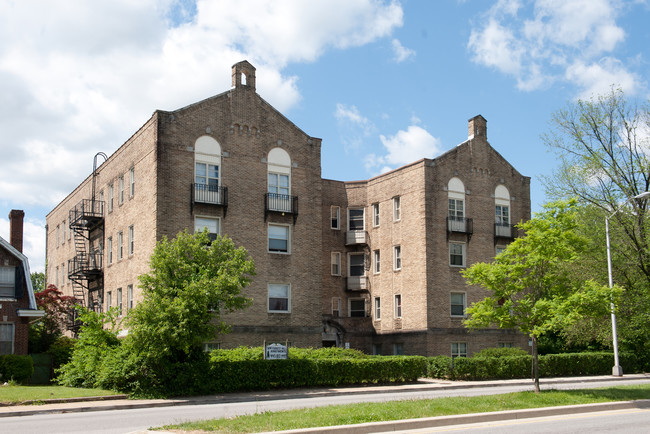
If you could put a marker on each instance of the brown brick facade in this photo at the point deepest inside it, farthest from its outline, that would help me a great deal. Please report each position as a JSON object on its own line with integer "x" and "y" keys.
{"x": 251, "y": 136}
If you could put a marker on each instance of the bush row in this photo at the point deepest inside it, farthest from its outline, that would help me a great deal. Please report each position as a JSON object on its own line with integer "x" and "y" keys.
{"x": 550, "y": 365}
{"x": 15, "y": 368}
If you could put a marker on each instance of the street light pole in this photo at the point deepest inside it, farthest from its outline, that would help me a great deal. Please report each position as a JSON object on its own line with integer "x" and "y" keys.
{"x": 617, "y": 370}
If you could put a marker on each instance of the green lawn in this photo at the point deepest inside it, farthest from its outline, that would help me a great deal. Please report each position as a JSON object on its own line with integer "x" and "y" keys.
{"x": 396, "y": 410}
{"x": 19, "y": 394}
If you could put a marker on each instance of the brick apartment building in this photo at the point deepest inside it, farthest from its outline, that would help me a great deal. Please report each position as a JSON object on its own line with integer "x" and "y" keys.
{"x": 17, "y": 302}
{"x": 370, "y": 264}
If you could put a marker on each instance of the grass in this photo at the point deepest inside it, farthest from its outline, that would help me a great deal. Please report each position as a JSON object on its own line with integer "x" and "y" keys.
{"x": 18, "y": 394}
{"x": 396, "y": 410}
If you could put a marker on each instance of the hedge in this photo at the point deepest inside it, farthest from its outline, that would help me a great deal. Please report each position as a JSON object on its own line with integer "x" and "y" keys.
{"x": 16, "y": 368}
{"x": 550, "y": 365}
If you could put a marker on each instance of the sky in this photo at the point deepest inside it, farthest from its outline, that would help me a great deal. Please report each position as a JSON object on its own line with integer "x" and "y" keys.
{"x": 383, "y": 83}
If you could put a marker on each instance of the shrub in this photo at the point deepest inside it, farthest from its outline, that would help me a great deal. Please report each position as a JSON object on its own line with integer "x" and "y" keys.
{"x": 501, "y": 352}
{"x": 61, "y": 351}
{"x": 16, "y": 368}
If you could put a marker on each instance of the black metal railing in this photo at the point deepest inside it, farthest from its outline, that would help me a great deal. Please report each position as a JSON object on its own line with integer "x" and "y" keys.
{"x": 357, "y": 283}
{"x": 86, "y": 211}
{"x": 210, "y": 194}
{"x": 504, "y": 230}
{"x": 84, "y": 264}
{"x": 280, "y": 203}
{"x": 460, "y": 224}
{"x": 356, "y": 237}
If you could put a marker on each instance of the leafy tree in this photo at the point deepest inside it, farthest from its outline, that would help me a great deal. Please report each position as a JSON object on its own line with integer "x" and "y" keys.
{"x": 603, "y": 147}
{"x": 38, "y": 281}
{"x": 56, "y": 306}
{"x": 530, "y": 282}
{"x": 191, "y": 282}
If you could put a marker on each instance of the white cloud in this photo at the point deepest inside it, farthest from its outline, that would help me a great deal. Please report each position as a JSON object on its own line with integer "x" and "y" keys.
{"x": 405, "y": 147}
{"x": 598, "y": 78}
{"x": 552, "y": 40}
{"x": 401, "y": 53}
{"x": 354, "y": 128}
{"x": 33, "y": 241}
{"x": 78, "y": 77}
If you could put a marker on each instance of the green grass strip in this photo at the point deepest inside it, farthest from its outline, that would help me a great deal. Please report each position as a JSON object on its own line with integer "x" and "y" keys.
{"x": 11, "y": 395}
{"x": 412, "y": 409}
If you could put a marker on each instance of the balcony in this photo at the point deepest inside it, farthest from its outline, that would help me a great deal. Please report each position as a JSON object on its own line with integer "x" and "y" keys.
{"x": 87, "y": 213}
{"x": 504, "y": 231}
{"x": 357, "y": 283}
{"x": 282, "y": 204}
{"x": 85, "y": 264}
{"x": 356, "y": 237}
{"x": 460, "y": 225}
{"x": 209, "y": 194}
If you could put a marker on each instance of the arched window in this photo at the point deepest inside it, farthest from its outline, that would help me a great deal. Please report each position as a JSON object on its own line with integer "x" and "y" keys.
{"x": 502, "y": 226}
{"x": 207, "y": 170}
{"x": 279, "y": 180}
{"x": 456, "y": 200}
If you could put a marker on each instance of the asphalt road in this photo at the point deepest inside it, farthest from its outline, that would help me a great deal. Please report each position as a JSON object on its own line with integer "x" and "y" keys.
{"x": 130, "y": 420}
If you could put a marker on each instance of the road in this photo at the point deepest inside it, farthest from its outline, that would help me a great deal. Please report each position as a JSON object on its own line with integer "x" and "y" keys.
{"x": 629, "y": 421}
{"x": 129, "y": 420}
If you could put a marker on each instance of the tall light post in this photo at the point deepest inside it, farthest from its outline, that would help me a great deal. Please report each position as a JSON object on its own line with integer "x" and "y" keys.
{"x": 616, "y": 370}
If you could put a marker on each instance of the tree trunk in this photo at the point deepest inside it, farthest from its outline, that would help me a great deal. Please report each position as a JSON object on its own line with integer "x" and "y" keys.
{"x": 535, "y": 365}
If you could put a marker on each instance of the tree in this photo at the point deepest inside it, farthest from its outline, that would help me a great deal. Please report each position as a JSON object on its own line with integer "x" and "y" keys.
{"x": 38, "y": 281}
{"x": 531, "y": 284}
{"x": 603, "y": 146}
{"x": 191, "y": 282}
{"x": 56, "y": 306}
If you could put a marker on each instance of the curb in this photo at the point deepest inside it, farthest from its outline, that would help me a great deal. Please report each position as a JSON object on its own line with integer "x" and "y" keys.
{"x": 67, "y": 400}
{"x": 462, "y": 419}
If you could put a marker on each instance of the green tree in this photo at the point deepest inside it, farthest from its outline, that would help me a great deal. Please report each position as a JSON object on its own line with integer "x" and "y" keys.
{"x": 530, "y": 283}
{"x": 38, "y": 281}
{"x": 57, "y": 306}
{"x": 191, "y": 282}
{"x": 603, "y": 149}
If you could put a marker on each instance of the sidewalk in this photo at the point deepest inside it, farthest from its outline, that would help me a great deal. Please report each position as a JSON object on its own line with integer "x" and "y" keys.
{"x": 119, "y": 402}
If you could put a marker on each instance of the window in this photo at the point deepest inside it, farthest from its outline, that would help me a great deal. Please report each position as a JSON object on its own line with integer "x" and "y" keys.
{"x": 397, "y": 208}
{"x": 120, "y": 191}
{"x": 336, "y": 217}
{"x": 502, "y": 216}
{"x": 213, "y": 225}
{"x": 457, "y": 304}
{"x": 377, "y": 308}
{"x": 398, "y": 349}
{"x": 279, "y": 180}
{"x": 63, "y": 229}
{"x": 132, "y": 182}
{"x": 58, "y": 235}
{"x": 120, "y": 245}
{"x": 8, "y": 282}
{"x": 118, "y": 302}
{"x": 336, "y": 307}
{"x": 376, "y": 349}
{"x": 356, "y": 264}
{"x": 109, "y": 300}
{"x": 6, "y": 339}
{"x": 357, "y": 307}
{"x": 336, "y": 263}
{"x": 56, "y": 277}
{"x": 206, "y": 174}
{"x": 375, "y": 214}
{"x": 397, "y": 258}
{"x": 376, "y": 261}
{"x": 456, "y": 209}
{"x": 131, "y": 243}
{"x": 398, "y": 305}
{"x": 278, "y": 238}
{"x": 110, "y": 197}
{"x": 279, "y": 298}
{"x": 505, "y": 344}
{"x": 129, "y": 297}
{"x": 458, "y": 349}
{"x": 500, "y": 249}
{"x": 63, "y": 274}
{"x": 457, "y": 254}
{"x": 355, "y": 219}
{"x": 109, "y": 250}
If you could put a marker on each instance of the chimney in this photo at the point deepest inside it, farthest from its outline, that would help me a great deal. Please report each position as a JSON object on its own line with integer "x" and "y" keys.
{"x": 16, "y": 228}
{"x": 243, "y": 74}
{"x": 477, "y": 127}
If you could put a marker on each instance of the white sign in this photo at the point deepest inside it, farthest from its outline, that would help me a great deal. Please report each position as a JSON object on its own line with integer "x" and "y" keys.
{"x": 276, "y": 352}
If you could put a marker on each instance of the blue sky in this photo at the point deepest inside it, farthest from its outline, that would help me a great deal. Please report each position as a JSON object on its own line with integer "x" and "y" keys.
{"x": 383, "y": 83}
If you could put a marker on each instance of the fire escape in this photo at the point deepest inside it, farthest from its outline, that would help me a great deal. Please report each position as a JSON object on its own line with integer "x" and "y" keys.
{"x": 85, "y": 270}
